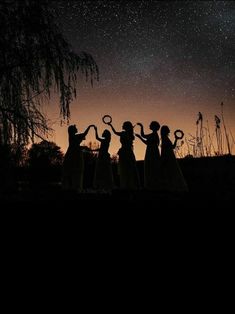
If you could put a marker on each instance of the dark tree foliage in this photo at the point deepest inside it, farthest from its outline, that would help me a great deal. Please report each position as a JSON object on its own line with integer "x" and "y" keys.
{"x": 45, "y": 154}
{"x": 44, "y": 163}
{"x": 34, "y": 58}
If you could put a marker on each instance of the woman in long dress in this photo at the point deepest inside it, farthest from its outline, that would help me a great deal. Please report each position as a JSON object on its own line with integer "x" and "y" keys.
{"x": 172, "y": 178}
{"x": 152, "y": 155}
{"x": 73, "y": 165}
{"x": 103, "y": 178}
{"x": 129, "y": 178}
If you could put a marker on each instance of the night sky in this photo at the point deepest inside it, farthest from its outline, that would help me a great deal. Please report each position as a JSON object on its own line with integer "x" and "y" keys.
{"x": 158, "y": 60}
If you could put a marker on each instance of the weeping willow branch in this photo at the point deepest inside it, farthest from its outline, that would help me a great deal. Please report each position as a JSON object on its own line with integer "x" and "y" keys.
{"x": 35, "y": 58}
{"x": 22, "y": 126}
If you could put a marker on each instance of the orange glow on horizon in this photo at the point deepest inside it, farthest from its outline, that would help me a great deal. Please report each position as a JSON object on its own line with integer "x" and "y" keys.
{"x": 92, "y": 104}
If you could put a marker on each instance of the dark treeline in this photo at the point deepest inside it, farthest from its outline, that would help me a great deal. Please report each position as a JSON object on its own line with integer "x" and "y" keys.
{"x": 41, "y": 165}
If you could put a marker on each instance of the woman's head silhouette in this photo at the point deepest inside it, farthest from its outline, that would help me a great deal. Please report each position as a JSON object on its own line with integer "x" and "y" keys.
{"x": 127, "y": 126}
{"x": 72, "y": 129}
{"x": 106, "y": 134}
{"x": 165, "y": 130}
{"x": 154, "y": 126}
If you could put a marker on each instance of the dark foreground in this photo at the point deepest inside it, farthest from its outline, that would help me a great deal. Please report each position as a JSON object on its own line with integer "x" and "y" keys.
{"x": 47, "y": 212}
{"x": 53, "y": 197}
{"x": 211, "y": 184}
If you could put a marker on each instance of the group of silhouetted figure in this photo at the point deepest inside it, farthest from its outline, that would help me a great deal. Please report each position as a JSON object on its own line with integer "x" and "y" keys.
{"x": 161, "y": 170}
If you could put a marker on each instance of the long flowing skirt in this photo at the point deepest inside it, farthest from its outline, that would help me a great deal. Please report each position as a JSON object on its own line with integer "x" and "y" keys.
{"x": 103, "y": 178}
{"x": 129, "y": 178}
{"x": 152, "y": 169}
{"x": 172, "y": 178}
{"x": 72, "y": 171}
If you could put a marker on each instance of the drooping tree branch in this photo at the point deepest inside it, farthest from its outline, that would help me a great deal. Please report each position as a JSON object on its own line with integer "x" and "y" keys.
{"x": 34, "y": 58}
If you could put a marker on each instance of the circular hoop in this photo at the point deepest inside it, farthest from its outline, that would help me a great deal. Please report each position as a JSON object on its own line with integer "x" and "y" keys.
{"x": 107, "y": 119}
{"x": 179, "y": 134}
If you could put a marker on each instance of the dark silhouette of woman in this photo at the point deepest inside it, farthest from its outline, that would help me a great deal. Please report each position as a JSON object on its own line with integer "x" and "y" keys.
{"x": 103, "y": 178}
{"x": 172, "y": 178}
{"x": 73, "y": 165}
{"x": 129, "y": 178}
{"x": 152, "y": 155}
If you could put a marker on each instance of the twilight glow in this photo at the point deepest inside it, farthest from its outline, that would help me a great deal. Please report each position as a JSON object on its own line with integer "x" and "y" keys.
{"x": 158, "y": 60}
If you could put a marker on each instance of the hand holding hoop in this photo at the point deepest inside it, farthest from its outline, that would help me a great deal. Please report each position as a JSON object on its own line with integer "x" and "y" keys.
{"x": 107, "y": 119}
{"x": 179, "y": 134}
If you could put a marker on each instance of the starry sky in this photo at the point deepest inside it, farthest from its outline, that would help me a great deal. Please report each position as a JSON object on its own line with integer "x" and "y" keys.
{"x": 158, "y": 60}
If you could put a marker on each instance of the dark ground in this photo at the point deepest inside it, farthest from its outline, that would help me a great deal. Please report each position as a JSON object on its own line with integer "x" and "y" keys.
{"x": 199, "y": 220}
{"x": 53, "y": 197}
{"x": 192, "y": 231}
{"x": 211, "y": 184}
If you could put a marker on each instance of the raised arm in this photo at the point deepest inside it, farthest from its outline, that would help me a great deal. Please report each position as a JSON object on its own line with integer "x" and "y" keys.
{"x": 96, "y": 135}
{"x": 175, "y": 143}
{"x": 177, "y": 137}
{"x": 141, "y": 138}
{"x": 84, "y": 134}
{"x": 141, "y": 130}
{"x": 114, "y": 131}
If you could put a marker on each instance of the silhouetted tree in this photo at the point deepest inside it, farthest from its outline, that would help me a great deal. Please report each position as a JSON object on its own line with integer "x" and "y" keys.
{"x": 34, "y": 57}
{"x": 44, "y": 160}
{"x": 45, "y": 154}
